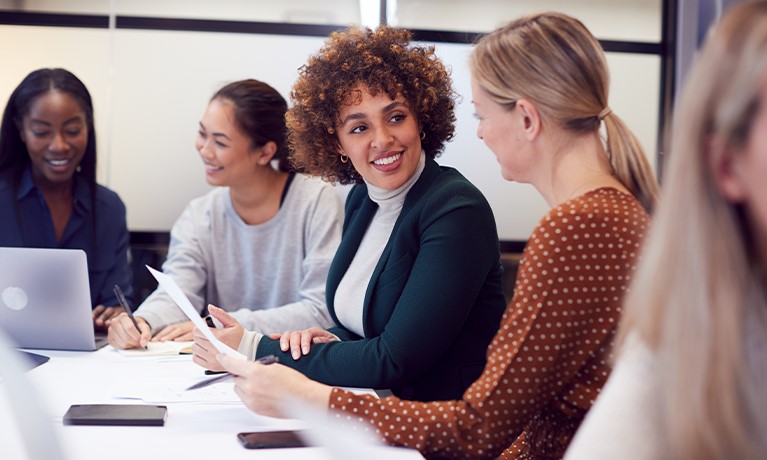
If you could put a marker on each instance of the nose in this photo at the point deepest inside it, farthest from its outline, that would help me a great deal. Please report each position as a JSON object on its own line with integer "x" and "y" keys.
{"x": 382, "y": 137}
{"x": 479, "y": 131}
{"x": 58, "y": 143}
{"x": 203, "y": 147}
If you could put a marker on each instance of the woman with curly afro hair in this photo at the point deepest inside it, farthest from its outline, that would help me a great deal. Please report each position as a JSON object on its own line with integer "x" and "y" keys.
{"x": 540, "y": 91}
{"x": 415, "y": 286}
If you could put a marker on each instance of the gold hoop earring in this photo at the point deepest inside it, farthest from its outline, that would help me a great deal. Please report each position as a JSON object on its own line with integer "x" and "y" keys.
{"x": 344, "y": 158}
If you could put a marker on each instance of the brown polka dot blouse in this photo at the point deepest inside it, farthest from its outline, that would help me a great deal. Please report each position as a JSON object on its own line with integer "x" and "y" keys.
{"x": 549, "y": 359}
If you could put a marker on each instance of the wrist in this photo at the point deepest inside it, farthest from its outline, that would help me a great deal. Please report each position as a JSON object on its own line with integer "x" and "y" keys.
{"x": 318, "y": 394}
{"x": 249, "y": 343}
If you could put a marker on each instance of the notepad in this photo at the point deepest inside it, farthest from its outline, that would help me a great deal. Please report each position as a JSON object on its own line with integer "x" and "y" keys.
{"x": 159, "y": 349}
{"x": 116, "y": 414}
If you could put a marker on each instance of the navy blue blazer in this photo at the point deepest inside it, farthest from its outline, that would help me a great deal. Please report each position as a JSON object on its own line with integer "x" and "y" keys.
{"x": 434, "y": 300}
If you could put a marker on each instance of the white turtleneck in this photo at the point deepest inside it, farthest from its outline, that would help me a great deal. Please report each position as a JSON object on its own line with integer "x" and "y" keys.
{"x": 350, "y": 295}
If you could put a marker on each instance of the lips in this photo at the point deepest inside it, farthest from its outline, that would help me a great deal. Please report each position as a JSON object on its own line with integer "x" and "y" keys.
{"x": 387, "y": 160}
{"x": 58, "y": 162}
{"x": 211, "y": 168}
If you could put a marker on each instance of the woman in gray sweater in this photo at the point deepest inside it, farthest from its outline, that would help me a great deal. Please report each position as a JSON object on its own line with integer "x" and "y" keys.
{"x": 261, "y": 241}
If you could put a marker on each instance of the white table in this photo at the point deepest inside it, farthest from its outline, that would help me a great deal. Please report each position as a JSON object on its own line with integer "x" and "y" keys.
{"x": 192, "y": 430}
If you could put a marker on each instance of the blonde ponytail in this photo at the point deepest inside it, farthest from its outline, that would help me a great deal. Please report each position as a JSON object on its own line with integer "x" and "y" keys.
{"x": 629, "y": 162}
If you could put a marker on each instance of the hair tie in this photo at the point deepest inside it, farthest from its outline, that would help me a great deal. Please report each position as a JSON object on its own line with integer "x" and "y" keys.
{"x": 605, "y": 112}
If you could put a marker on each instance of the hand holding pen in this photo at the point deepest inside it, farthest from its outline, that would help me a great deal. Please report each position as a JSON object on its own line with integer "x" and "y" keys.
{"x": 121, "y": 333}
{"x": 268, "y": 359}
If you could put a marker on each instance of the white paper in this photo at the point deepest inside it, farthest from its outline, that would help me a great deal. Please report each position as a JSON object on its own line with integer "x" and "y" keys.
{"x": 169, "y": 348}
{"x": 183, "y": 302}
{"x": 175, "y": 392}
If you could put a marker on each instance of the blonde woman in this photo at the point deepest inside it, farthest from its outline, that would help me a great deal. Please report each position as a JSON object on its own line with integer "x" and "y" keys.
{"x": 689, "y": 382}
{"x": 539, "y": 87}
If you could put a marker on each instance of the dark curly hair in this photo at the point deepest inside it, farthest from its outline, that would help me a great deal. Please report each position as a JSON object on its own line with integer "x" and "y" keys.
{"x": 383, "y": 60}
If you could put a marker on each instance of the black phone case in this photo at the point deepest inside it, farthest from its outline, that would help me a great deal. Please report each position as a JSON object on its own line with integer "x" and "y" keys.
{"x": 270, "y": 439}
{"x": 116, "y": 415}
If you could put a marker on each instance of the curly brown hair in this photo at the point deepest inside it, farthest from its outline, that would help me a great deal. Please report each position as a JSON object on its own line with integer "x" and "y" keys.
{"x": 382, "y": 60}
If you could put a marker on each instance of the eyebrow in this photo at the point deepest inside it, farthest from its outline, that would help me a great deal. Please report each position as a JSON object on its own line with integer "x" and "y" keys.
{"x": 360, "y": 115}
{"x": 43, "y": 122}
{"x": 215, "y": 134}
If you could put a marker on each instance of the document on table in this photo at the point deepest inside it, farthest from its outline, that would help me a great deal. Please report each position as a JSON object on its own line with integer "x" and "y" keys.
{"x": 172, "y": 392}
{"x": 183, "y": 302}
{"x": 169, "y": 348}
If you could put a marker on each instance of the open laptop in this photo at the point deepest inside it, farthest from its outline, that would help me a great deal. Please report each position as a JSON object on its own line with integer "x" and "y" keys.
{"x": 45, "y": 299}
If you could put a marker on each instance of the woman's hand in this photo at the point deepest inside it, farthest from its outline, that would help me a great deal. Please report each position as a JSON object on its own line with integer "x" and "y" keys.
{"x": 204, "y": 353}
{"x": 300, "y": 342}
{"x": 123, "y": 335}
{"x": 265, "y": 388}
{"x": 179, "y": 332}
{"x": 102, "y": 315}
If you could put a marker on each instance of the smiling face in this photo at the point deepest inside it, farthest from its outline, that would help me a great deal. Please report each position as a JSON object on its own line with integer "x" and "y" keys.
{"x": 380, "y": 136}
{"x": 228, "y": 153}
{"x": 55, "y": 131}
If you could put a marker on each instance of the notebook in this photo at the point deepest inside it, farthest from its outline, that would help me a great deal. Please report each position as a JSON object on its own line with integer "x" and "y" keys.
{"x": 45, "y": 299}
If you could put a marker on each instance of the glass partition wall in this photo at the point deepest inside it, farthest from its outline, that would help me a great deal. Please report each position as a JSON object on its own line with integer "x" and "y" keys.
{"x": 152, "y": 65}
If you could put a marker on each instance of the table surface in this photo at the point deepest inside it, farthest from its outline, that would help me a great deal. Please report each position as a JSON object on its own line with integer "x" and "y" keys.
{"x": 198, "y": 429}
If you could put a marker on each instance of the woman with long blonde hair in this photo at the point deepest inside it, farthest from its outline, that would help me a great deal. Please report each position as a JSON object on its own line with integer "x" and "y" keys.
{"x": 689, "y": 382}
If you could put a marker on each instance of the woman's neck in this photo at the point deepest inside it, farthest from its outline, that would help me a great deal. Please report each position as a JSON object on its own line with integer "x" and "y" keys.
{"x": 577, "y": 164}
{"x": 58, "y": 197}
{"x": 258, "y": 200}
{"x": 61, "y": 189}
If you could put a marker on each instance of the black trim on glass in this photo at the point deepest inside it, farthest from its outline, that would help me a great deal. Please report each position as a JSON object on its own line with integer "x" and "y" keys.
{"x": 146, "y": 238}
{"x": 513, "y": 246}
{"x": 162, "y": 238}
{"x": 251, "y": 27}
{"x": 667, "y": 74}
{"x": 24, "y": 18}
{"x": 240, "y": 27}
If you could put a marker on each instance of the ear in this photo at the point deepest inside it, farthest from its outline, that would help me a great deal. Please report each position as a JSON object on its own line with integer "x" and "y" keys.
{"x": 266, "y": 152}
{"x": 724, "y": 164}
{"x": 531, "y": 119}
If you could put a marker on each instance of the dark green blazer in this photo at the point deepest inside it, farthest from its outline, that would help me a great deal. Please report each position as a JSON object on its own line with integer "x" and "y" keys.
{"x": 434, "y": 300}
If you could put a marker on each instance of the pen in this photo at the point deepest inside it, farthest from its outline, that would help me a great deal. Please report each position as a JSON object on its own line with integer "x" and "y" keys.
{"x": 268, "y": 359}
{"x": 124, "y": 303}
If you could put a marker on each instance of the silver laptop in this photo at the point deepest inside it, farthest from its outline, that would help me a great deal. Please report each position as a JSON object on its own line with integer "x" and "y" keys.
{"x": 45, "y": 299}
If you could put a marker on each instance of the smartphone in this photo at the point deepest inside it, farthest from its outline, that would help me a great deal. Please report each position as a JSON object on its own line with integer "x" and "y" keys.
{"x": 271, "y": 439}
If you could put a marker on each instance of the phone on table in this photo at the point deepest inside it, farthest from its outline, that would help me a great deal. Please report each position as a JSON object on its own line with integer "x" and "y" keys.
{"x": 271, "y": 439}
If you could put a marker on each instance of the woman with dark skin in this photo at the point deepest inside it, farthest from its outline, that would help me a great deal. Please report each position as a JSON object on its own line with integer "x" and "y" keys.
{"x": 49, "y": 197}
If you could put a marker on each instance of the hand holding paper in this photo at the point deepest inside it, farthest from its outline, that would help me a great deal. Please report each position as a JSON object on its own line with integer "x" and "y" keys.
{"x": 183, "y": 302}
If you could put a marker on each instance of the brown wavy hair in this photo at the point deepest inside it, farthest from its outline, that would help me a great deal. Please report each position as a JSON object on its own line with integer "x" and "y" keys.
{"x": 384, "y": 61}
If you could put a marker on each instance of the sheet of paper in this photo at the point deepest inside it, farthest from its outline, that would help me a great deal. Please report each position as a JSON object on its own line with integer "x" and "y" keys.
{"x": 183, "y": 302}
{"x": 175, "y": 391}
{"x": 159, "y": 349}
